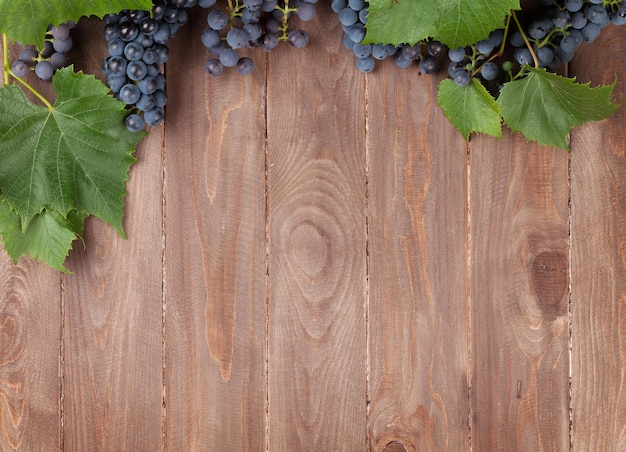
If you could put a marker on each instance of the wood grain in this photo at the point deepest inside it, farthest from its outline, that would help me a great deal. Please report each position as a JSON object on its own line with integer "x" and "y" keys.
{"x": 215, "y": 252}
{"x": 30, "y": 341}
{"x": 30, "y": 306}
{"x": 519, "y": 295}
{"x": 317, "y": 271}
{"x": 113, "y": 323}
{"x": 418, "y": 291}
{"x": 599, "y": 258}
{"x": 112, "y": 374}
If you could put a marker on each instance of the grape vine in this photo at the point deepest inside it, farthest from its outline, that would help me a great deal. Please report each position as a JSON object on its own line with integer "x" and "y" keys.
{"x": 64, "y": 160}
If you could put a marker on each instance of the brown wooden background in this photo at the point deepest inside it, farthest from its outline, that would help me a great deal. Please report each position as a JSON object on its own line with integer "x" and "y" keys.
{"x": 316, "y": 261}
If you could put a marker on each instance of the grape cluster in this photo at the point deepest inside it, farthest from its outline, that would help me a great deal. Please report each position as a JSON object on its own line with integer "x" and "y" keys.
{"x": 546, "y": 41}
{"x": 51, "y": 57}
{"x": 249, "y": 24}
{"x": 137, "y": 50}
{"x": 353, "y": 17}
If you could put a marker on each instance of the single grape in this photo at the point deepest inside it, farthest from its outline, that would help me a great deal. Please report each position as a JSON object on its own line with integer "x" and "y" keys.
{"x": 362, "y": 50}
{"x": 116, "y": 47}
{"x": 485, "y": 46}
{"x": 356, "y": 5}
{"x": 217, "y": 19}
{"x": 214, "y": 67}
{"x": 136, "y": 70}
{"x": 237, "y": 38}
{"x": 62, "y": 45}
{"x": 148, "y": 25}
{"x": 145, "y": 102}
{"x": 147, "y": 85}
{"x": 58, "y": 60}
{"x": 20, "y": 68}
{"x": 61, "y": 31}
{"x": 29, "y": 56}
{"x": 598, "y": 15}
{"x": 366, "y": 64}
{"x": 160, "y": 98}
{"x": 540, "y": 28}
{"x": 338, "y": 5}
{"x": 490, "y": 71}
{"x": 496, "y": 37}
{"x": 253, "y": 4}
{"x": 619, "y": 16}
{"x": 523, "y": 56}
{"x": 253, "y": 30}
{"x": 590, "y": 32}
{"x": 357, "y": 32}
{"x": 298, "y": 38}
{"x": 573, "y": 5}
{"x": 129, "y": 94}
{"x": 348, "y": 16}
{"x": 516, "y": 39}
{"x": 127, "y": 30}
{"x": 436, "y": 48}
{"x": 115, "y": 82}
{"x": 457, "y": 55}
{"x": 545, "y": 55}
{"x": 411, "y": 52}
{"x": 305, "y": 11}
{"x": 244, "y": 66}
{"x": 163, "y": 33}
{"x": 229, "y": 57}
{"x": 402, "y": 61}
{"x": 153, "y": 117}
{"x": 133, "y": 51}
{"x": 44, "y": 70}
{"x": 428, "y": 64}
{"x": 561, "y": 18}
{"x": 578, "y": 20}
{"x": 461, "y": 77}
{"x": 134, "y": 122}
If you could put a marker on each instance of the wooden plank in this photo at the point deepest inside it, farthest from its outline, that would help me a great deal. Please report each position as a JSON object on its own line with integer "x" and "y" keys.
{"x": 113, "y": 323}
{"x": 113, "y": 388}
{"x": 30, "y": 396}
{"x": 215, "y": 252}
{"x": 30, "y": 340}
{"x": 317, "y": 271}
{"x": 599, "y": 258}
{"x": 418, "y": 313}
{"x": 519, "y": 295}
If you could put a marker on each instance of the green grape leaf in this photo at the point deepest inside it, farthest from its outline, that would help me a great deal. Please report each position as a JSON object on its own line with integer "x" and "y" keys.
{"x": 48, "y": 237}
{"x": 470, "y": 108}
{"x": 27, "y": 20}
{"x": 544, "y": 106}
{"x": 456, "y": 23}
{"x": 73, "y": 156}
{"x": 400, "y": 21}
{"x": 465, "y": 22}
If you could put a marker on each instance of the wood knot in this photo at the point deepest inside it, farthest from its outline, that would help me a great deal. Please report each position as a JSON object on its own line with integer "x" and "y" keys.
{"x": 395, "y": 446}
{"x": 549, "y": 281}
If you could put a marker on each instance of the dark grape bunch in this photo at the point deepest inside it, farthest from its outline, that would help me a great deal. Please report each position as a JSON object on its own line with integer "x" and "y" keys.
{"x": 137, "y": 48}
{"x": 51, "y": 57}
{"x": 544, "y": 42}
{"x": 353, "y": 17}
{"x": 240, "y": 24}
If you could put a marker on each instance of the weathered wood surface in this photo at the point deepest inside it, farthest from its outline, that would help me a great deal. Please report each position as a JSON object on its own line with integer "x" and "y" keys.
{"x": 598, "y": 266}
{"x": 316, "y": 260}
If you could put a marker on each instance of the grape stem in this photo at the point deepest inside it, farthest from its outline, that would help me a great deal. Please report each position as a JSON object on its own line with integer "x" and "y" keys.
{"x": 530, "y": 48}
{"x": 8, "y": 73}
